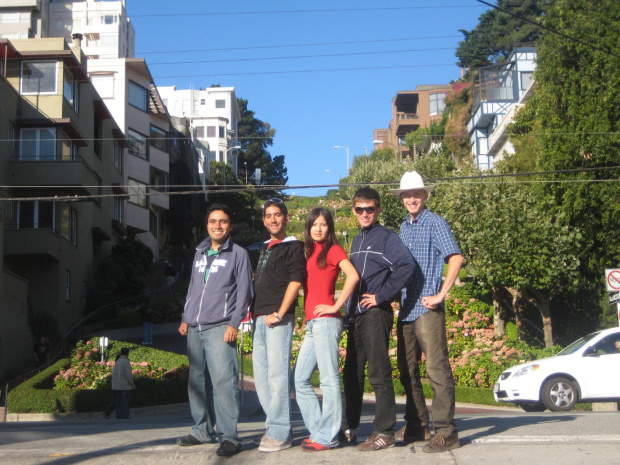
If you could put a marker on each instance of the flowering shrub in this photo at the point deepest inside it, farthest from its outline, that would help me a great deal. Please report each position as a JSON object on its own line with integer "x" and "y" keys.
{"x": 86, "y": 371}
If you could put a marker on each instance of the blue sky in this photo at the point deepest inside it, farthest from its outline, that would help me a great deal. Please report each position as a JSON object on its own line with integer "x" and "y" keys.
{"x": 322, "y": 73}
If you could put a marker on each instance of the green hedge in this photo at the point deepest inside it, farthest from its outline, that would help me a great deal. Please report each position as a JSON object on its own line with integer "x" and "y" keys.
{"x": 37, "y": 396}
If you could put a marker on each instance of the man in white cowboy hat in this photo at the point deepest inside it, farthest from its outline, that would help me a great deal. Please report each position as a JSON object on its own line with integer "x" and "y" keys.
{"x": 421, "y": 321}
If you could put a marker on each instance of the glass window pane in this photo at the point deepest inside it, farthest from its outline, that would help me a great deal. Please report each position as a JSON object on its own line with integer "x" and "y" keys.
{"x": 39, "y": 77}
{"x": 137, "y": 96}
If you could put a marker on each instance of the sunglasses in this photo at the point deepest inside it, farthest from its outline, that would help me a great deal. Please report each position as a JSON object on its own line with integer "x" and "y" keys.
{"x": 271, "y": 202}
{"x": 369, "y": 210}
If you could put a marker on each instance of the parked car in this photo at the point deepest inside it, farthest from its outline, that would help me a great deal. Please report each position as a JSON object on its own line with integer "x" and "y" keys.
{"x": 588, "y": 370}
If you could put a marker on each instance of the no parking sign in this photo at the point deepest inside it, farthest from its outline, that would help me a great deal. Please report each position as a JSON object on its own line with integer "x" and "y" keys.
{"x": 612, "y": 281}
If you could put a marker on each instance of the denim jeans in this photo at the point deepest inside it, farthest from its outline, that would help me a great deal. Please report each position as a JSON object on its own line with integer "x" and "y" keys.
{"x": 427, "y": 334}
{"x": 147, "y": 332}
{"x": 271, "y": 358}
{"x": 368, "y": 341}
{"x": 122, "y": 404}
{"x": 320, "y": 348}
{"x": 213, "y": 384}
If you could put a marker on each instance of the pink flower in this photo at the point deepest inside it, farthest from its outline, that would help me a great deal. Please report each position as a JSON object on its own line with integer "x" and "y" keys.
{"x": 87, "y": 354}
{"x": 78, "y": 356}
{"x": 144, "y": 364}
{"x": 88, "y": 343}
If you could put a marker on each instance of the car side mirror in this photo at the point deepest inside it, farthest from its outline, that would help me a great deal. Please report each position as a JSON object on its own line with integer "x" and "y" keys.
{"x": 590, "y": 352}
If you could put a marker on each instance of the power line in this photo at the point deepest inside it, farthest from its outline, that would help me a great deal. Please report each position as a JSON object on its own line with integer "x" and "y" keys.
{"x": 269, "y": 12}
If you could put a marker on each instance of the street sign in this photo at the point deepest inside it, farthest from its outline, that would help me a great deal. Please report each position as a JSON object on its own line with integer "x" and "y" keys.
{"x": 612, "y": 279}
{"x": 614, "y": 298}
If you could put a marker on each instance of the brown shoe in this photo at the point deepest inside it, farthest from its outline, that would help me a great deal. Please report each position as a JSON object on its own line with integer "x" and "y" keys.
{"x": 441, "y": 443}
{"x": 406, "y": 434}
{"x": 376, "y": 442}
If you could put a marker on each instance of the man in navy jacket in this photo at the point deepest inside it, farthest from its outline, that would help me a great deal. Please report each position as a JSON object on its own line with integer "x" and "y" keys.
{"x": 220, "y": 291}
{"x": 385, "y": 266}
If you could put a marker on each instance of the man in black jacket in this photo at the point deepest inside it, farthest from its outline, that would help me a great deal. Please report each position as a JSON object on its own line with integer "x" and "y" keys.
{"x": 280, "y": 274}
{"x": 385, "y": 266}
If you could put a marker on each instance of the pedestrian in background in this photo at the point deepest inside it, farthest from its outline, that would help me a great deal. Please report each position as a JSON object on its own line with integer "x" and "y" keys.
{"x": 326, "y": 258}
{"x": 146, "y": 313}
{"x": 122, "y": 384}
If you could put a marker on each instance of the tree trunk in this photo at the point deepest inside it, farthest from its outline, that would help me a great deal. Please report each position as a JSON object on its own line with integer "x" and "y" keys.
{"x": 542, "y": 302}
{"x": 499, "y": 324}
{"x": 517, "y": 299}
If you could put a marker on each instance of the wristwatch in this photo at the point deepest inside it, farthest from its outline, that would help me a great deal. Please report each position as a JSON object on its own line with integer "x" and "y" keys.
{"x": 277, "y": 316}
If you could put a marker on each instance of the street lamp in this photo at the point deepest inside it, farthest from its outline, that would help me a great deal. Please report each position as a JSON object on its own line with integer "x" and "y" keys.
{"x": 347, "y": 149}
{"x": 245, "y": 163}
{"x": 383, "y": 142}
{"x": 331, "y": 171}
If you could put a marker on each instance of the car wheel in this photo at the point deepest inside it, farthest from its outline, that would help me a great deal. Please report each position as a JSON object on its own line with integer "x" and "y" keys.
{"x": 532, "y": 406}
{"x": 559, "y": 394}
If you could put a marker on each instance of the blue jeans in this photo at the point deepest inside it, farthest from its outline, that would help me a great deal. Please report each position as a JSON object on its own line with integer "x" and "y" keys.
{"x": 122, "y": 404}
{"x": 271, "y": 358}
{"x": 147, "y": 332}
{"x": 320, "y": 348}
{"x": 213, "y": 385}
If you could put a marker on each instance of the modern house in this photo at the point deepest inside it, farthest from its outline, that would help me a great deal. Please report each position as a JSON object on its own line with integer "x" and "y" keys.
{"x": 61, "y": 169}
{"x": 499, "y": 92}
{"x": 213, "y": 115}
{"x": 411, "y": 110}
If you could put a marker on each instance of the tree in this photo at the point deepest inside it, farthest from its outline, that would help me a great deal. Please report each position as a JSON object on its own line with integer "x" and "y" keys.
{"x": 254, "y": 137}
{"x": 497, "y": 33}
{"x": 224, "y": 175}
{"x": 578, "y": 112}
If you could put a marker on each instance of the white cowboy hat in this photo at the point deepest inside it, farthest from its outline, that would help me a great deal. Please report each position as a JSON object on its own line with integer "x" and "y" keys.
{"x": 411, "y": 181}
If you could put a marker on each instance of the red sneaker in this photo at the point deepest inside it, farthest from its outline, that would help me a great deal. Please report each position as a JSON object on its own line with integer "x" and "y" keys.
{"x": 313, "y": 447}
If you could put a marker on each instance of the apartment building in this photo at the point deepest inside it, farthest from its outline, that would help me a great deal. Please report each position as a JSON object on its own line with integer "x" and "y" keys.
{"x": 62, "y": 162}
{"x": 104, "y": 25}
{"x": 500, "y": 90}
{"x": 411, "y": 110}
{"x": 213, "y": 115}
{"x": 127, "y": 88}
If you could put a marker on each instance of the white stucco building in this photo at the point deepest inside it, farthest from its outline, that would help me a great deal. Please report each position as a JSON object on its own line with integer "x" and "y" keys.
{"x": 213, "y": 114}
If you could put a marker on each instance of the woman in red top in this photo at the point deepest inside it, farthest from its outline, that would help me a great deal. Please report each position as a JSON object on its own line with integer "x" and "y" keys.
{"x": 326, "y": 258}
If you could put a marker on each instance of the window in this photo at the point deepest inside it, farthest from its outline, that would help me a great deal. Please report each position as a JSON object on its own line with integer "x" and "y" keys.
{"x": 220, "y": 104}
{"x": 70, "y": 90}
{"x": 37, "y": 144}
{"x": 137, "y": 96}
{"x": 68, "y": 222}
{"x": 437, "y": 103}
{"x": 210, "y": 131}
{"x": 202, "y": 101}
{"x": 117, "y": 157}
{"x": 15, "y": 17}
{"x": 69, "y": 150}
{"x": 159, "y": 179}
{"x": 35, "y": 214}
{"x": 200, "y": 132}
{"x": 109, "y": 19}
{"x": 104, "y": 83}
{"x": 159, "y": 138}
{"x": 63, "y": 24}
{"x": 137, "y": 193}
{"x": 137, "y": 144}
{"x": 117, "y": 209}
{"x": 222, "y": 131}
{"x": 39, "y": 77}
{"x": 153, "y": 223}
{"x": 67, "y": 285}
{"x": 527, "y": 79}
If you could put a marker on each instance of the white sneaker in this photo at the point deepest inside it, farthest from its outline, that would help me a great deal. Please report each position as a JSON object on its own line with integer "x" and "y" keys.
{"x": 273, "y": 445}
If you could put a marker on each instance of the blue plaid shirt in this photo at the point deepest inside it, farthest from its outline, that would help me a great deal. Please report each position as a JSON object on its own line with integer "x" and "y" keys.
{"x": 430, "y": 241}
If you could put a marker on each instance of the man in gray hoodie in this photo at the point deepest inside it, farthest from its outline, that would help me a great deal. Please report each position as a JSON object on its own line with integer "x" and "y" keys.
{"x": 218, "y": 297}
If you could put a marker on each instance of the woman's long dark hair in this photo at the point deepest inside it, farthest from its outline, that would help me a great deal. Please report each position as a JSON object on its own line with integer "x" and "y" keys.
{"x": 331, "y": 239}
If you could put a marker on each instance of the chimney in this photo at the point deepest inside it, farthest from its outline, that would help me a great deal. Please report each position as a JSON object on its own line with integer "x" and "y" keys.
{"x": 77, "y": 40}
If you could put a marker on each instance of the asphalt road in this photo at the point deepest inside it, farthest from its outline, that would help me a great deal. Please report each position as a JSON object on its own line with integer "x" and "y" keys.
{"x": 488, "y": 437}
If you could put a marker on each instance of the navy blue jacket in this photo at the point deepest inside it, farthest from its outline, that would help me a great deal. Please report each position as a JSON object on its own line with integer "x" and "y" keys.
{"x": 384, "y": 264}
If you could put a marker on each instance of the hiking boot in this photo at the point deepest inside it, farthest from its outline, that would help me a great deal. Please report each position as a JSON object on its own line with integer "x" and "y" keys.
{"x": 407, "y": 434}
{"x": 273, "y": 445}
{"x": 347, "y": 436}
{"x": 227, "y": 449}
{"x": 441, "y": 443}
{"x": 313, "y": 447}
{"x": 376, "y": 442}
